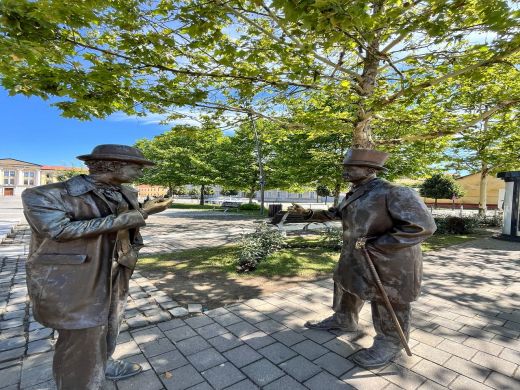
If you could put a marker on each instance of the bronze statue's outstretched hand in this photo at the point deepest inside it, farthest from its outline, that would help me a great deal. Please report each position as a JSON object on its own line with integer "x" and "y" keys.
{"x": 154, "y": 206}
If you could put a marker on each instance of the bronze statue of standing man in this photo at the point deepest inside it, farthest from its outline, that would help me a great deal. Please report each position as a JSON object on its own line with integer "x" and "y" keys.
{"x": 84, "y": 245}
{"x": 394, "y": 221}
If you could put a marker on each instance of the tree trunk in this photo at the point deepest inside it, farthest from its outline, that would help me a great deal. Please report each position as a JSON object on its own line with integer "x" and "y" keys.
{"x": 337, "y": 190}
{"x": 251, "y": 194}
{"x": 482, "y": 201}
{"x": 362, "y": 135}
{"x": 202, "y": 195}
{"x": 435, "y": 204}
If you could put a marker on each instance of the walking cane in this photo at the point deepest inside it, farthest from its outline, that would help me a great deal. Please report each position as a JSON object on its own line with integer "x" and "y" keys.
{"x": 361, "y": 245}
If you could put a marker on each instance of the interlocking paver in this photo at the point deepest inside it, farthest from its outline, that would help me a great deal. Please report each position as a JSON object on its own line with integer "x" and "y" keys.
{"x": 333, "y": 363}
{"x": 467, "y": 368}
{"x": 146, "y": 336}
{"x": 502, "y": 382}
{"x": 465, "y": 383}
{"x": 284, "y": 383}
{"x": 181, "y": 378}
{"x": 206, "y": 359}
{"x": 242, "y": 356}
{"x": 257, "y": 340}
{"x": 223, "y": 375}
{"x": 211, "y": 330}
{"x": 225, "y": 342}
{"x": 262, "y": 372}
{"x": 180, "y": 333}
{"x": 146, "y": 380}
{"x": 288, "y": 337}
{"x": 362, "y": 379}
{"x": 246, "y": 384}
{"x": 435, "y": 372}
{"x": 198, "y": 321}
{"x": 494, "y": 363}
{"x": 192, "y": 345}
{"x": 168, "y": 361}
{"x": 300, "y": 368}
{"x": 324, "y": 380}
{"x": 242, "y": 328}
{"x": 156, "y": 347}
{"x": 227, "y": 319}
{"x": 310, "y": 349}
{"x": 277, "y": 352}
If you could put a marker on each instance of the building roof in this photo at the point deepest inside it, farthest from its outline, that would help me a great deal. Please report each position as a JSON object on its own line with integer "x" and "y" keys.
{"x": 20, "y": 161}
{"x": 61, "y": 168}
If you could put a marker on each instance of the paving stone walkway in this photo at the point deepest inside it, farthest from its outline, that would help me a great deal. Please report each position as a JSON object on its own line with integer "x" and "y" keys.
{"x": 466, "y": 333}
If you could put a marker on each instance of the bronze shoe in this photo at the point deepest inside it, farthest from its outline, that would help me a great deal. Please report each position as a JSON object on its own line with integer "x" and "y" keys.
{"x": 119, "y": 369}
{"x": 331, "y": 323}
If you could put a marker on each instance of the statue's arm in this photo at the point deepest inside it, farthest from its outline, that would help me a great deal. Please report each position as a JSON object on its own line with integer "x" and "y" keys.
{"x": 331, "y": 214}
{"x": 46, "y": 213}
{"x": 413, "y": 223}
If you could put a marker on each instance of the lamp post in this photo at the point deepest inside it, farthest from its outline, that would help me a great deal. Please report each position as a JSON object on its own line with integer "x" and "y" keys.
{"x": 511, "y": 207}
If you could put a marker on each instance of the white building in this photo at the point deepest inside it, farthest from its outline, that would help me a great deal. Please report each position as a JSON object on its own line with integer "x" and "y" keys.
{"x": 17, "y": 175}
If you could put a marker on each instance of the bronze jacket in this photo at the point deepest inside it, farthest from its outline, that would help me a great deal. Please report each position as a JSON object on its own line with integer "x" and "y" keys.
{"x": 398, "y": 220}
{"x": 70, "y": 255}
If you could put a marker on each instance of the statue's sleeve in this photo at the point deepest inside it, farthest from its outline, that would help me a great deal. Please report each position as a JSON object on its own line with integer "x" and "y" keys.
{"x": 48, "y": 216}
{"x": 325, "y": 215}
{"x": 413, "y": 223}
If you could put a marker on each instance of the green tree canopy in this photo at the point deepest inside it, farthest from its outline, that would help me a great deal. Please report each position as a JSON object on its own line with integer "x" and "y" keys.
{"x": 440, "y": 186}
{"x": 99, "y": 57}
{"x": 183, "y": 155}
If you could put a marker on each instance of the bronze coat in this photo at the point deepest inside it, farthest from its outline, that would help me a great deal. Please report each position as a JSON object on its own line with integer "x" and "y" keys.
{"x": 399, "y": 221}
{"x": 70, "y": 256}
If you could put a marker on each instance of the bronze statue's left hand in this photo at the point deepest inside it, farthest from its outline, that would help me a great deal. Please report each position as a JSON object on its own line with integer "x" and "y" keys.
{"x": 156, "y": 205}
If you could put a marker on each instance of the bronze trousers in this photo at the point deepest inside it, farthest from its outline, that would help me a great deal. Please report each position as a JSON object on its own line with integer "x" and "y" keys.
{"x": 81, "y": 354}
{"x": 348, "y": 306}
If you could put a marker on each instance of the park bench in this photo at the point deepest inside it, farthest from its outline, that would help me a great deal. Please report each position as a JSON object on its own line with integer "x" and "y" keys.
{"x": 284, "y": 218}
{"x": 230, "y": 205}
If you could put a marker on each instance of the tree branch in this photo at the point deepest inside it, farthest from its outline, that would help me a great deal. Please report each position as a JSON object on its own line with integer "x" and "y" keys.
{"x": 450, "y": 75}
{"x": 481, "y": 117}
{"x": 353, "y": 75}
{"x": 190, "y": 72}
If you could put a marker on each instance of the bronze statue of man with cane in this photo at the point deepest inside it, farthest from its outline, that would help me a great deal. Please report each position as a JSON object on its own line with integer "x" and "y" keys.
{"x": 381, "y": 260}
{"x": 84, "y": 245}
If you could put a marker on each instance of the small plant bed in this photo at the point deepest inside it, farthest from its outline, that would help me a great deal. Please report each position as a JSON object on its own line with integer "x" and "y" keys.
{"x": 209, "y": 276}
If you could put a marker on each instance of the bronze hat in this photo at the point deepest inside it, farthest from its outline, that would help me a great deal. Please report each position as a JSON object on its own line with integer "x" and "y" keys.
{"x": 366, "y": 158}
{"x": 113, "y": 152}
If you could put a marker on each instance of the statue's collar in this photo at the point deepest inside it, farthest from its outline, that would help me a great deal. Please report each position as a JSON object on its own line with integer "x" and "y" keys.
{"x": 81, "y": 184}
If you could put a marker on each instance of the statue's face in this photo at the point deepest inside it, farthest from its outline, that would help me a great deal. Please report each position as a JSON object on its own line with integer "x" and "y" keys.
{"x": 129, "y": 172}
{"x": 355, "y": 173}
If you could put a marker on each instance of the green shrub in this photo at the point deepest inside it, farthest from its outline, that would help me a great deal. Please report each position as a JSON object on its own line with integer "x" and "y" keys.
{"x": 255, "y": 247}
{"x": 249, "y": 206}
{"x": 494, "y": 221}
{"x": 457, "y": 225}
{"x": 333, "y": 239}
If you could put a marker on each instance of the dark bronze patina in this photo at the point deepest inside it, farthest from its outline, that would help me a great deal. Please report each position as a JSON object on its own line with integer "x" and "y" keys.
{"x": 393, "y": 221}
{"x": 84, "y": 245}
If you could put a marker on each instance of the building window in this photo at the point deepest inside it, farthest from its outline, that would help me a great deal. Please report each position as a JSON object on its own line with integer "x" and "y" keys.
{"x": 28, "y": 178}
{"x": 300, "y": 196}
{"x": 9, "y": 177}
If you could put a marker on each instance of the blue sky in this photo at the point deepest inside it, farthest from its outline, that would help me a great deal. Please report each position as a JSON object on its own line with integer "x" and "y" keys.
{"x": 33, "y": 131}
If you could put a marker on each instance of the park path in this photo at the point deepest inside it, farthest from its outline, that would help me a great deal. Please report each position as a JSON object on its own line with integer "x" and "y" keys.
{"x": 466, "y": 332}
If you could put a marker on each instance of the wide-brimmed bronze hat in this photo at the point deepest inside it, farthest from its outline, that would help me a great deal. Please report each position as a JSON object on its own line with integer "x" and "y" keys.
{"x": 366, "y": 158}
{"x": 113, "y": 152}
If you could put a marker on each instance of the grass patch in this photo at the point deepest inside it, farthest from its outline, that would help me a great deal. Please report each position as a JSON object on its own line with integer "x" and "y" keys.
{"x": 303, "y": 262}
{"x": 306, "y": 262}
{"x": 441, "y": 241}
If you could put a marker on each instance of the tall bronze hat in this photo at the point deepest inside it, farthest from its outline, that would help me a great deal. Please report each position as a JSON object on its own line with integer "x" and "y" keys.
{"x": 366, "y": 158}
{"x": 113, "y": 152}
